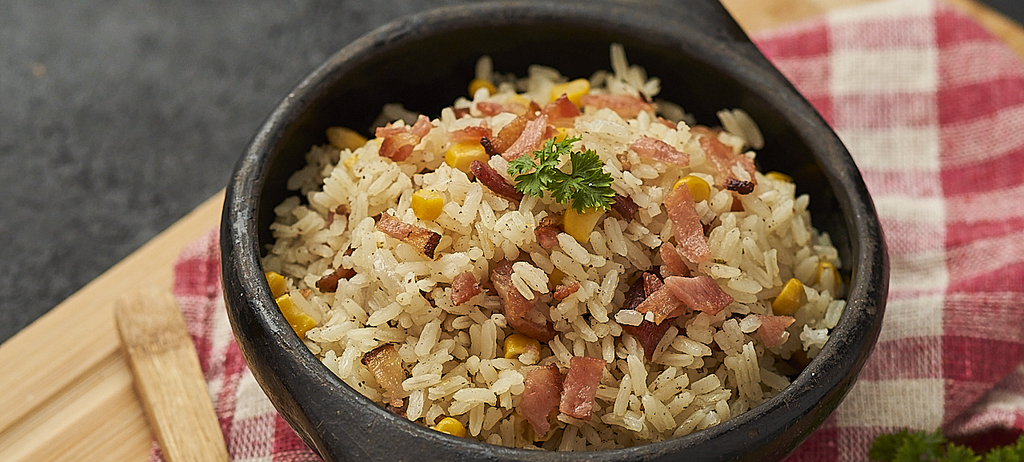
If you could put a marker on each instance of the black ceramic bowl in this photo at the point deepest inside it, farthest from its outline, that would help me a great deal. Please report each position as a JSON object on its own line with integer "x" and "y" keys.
{"x": 705, "y": 62}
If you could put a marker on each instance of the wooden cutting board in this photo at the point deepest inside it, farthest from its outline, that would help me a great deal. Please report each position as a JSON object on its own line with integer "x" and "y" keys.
{"x": 65, "y": 387}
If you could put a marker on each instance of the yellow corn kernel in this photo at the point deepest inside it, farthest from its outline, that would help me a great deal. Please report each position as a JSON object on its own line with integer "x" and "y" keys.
{"x": 827, "y": 273}
{"x": 579, "y": 225}
{"x": 790, "y": 299}
{"x": 427, "y": 204}
{"x": 277, "y": 284}
{"x": 779, "y": 176}
{"x": 477, "y": 84}
{"x": 451, "y": 426}
{"x": 574, "y": 90}
{"x": 700, "y": 190}
{"x": 462, "y": 155}
{"x": 299, "y": 320}
{"x": 345, "y": 138}
{"x": 562, "y": 134}
{"x": 517, "y": 344}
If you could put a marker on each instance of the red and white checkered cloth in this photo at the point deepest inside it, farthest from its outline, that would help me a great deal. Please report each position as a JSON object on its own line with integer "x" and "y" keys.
{"x": 932, "y": 108}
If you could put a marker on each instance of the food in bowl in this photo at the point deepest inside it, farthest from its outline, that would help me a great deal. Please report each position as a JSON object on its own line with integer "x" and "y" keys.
{"x": 554, "y": 263}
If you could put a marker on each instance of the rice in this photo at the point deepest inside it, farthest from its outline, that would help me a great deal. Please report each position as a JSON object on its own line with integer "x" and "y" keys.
{"x": 453, "y": 354}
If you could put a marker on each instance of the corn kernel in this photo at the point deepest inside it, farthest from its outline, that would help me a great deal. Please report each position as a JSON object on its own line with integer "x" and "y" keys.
{"x": 462, "y": 155}
{"x": 345, "y": 138}
{"x": 451, "y": 426}
{"x": 562, "y": 134}
{"x": 573, "y": 90}
{"x": 277, "y": 284}
{"x": 790, "y": 299}
{"x": 555, "y": 278}
{"x": 427, "y": 204}
{"x": 700, "y": 190}
{"x": 579, "y": 225}
{"x": 827, "y": 273}
{"x": 477, "y": 84}
{"x": 779, "y": 176}
{"x": 517, "y": 344}
{"x": 300, "y": 321}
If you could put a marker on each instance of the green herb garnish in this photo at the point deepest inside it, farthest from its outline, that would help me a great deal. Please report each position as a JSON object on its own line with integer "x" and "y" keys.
{"x": 587, "y": 187}
{"x": 906, "y": 446}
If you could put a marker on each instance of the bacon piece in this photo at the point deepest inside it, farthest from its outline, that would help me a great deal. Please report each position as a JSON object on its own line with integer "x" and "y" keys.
{"x": 686, "y": 225}
{"x": 471, "y": 133}
{"x": 421, "y": 127}
{"x": 510, "y": 133}
{"x": 547, "y": 236}
{"x": 488, "y": 146}
{"x": 580, "y": 386}
{"x": 489, "y": 108}
{"x": 772, "y": 328}
{"x": 700, "y": 293}
{"x": 659, "y": 150}
{"x": 647, "y": 333}
{"x": 329, "y": 283}
{"x": 565, "y": 290}
{"x": 529, "y": 140}
{"x": 626, "y": 106}
{"x": 667, "y": 123}
{"x": 673, "y": 262}
{"x": 742, "y": 187}
{"x": 515, "y": 307}
{"x": 422, "y": 239}
{"x": 399, "y": 141}
{"x": 386, "y": 366}
{"x": 464, "y": 287}
{"x": 541, "y": 393}
{"x": 561, "y": 112}
{"x": 663, "y": 303}
{"x": 461, "y": 112}
{"x": 723, "y": 157}
{"x": 625, "y": 206}
{"x": 494, "y": 181}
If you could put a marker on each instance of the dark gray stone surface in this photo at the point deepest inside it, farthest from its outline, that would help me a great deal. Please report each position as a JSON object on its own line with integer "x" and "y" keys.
{"x": 117, "y": 117}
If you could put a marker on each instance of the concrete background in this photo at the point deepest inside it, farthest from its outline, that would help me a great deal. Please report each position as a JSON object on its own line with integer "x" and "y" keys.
{"x": 118, "y": 117}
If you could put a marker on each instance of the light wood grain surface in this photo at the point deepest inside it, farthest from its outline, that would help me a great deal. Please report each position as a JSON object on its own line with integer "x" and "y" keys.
{"x": 66, "y": 389}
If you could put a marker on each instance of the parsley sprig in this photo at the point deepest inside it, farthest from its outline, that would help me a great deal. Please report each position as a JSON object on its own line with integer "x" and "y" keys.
{"x": 906, "y": 446}
{"x": 587, "y": 187}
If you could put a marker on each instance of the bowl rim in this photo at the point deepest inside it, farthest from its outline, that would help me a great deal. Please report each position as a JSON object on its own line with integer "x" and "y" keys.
{"x": 242, "y": 269}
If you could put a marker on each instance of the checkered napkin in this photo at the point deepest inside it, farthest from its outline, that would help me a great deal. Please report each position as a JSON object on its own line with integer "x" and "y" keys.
{"x": 932, "y": 108}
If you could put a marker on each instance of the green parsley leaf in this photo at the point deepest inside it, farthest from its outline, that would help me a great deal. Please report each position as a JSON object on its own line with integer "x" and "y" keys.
{"x": 588, "y": 186}
{"x": 906, "y": 446}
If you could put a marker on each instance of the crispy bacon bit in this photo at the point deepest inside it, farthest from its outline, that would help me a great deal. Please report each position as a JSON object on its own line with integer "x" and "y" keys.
{"x": 736, "y": 205}
{"x": 565, "y": 290}
{"x": 488, "y": 108}
{"x": 772, "y": 328}
{"x": 494, "y": 181}
{"x": 700, "y": 293}
{"x": 723, "y": 157}
{"x": 422, "y": 239}
{"x": 461, "y": 112}
{"x": 647, "y": 333}
{"x": 686, "y": 225}
{"x": 674, "y": 264}
{"x": 663, "y": 304}
{"x": 421, "y": 127}
{"x": 541, "y": 393}
{"x": 547, "y": 236}
{"x": 529, "y": 140}
{"x": 659, "y": 150}
{"x": 580, "y": 386}
{"x": 625, "y": 206}
{"x": 472, "y": 133}
{"x": 510, "y": 133}
{"x": 329, "y": 283}
{"x": 515, "y": 307}
{"x": 561, "y": 112}
{"x": 386, "y": 366}
{"x": 488, "y": 146}
{"x": 667, "y": 123}
{"x": 626, "y": 106}
{"x": 464, "y": 287}
{"x": 742, "y": 187}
